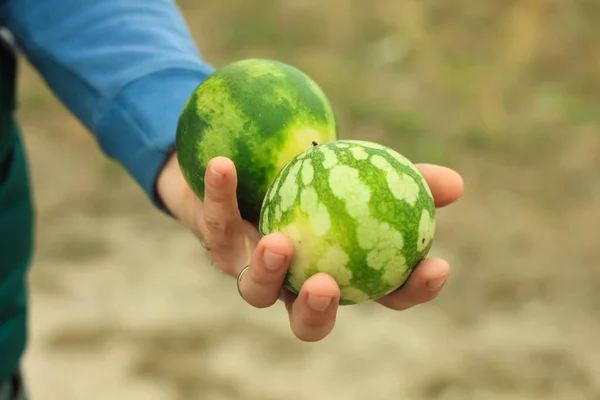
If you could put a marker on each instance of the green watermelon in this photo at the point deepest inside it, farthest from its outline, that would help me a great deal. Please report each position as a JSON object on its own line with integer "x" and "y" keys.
{"x": 260, "y": 114}
{"x": 356, "y": 210}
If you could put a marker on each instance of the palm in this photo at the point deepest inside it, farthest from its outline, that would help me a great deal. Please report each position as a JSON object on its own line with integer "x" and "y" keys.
{"x": 235, "y": 244}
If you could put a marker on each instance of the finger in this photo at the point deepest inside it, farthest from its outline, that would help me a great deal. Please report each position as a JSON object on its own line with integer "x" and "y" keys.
{"x": 424, "y": 284}
{"x": 222, "y": 221}
{"x": 261, "y": 284}
{"x": 313, "y": 311}
{"x": 446, "y": 184}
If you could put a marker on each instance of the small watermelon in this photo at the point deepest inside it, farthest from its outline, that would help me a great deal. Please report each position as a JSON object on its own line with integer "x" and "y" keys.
{"x": 356, "y": 210}
{"x": 260, "y": 114}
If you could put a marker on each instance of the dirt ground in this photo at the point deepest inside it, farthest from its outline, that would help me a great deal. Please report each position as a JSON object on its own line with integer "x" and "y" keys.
{"x": 126, "y": 306}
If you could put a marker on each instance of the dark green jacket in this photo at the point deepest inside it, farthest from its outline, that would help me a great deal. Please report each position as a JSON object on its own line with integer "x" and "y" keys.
{"x": 124, "y": 69}
{"x": 16, "y": 223}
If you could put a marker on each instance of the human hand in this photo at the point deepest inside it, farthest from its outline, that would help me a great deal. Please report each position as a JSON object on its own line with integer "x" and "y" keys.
{"x": 234, "y": 243}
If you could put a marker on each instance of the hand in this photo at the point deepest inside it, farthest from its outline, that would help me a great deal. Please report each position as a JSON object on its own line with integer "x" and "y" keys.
{"x": 234, "y": 243}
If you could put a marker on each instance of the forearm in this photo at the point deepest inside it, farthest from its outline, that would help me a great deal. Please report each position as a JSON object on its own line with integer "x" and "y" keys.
{"x": 123, "y": 67}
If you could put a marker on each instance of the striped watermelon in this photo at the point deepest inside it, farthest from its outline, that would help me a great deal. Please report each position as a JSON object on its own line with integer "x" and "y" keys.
{"x": 260, "y": 114}
{"x": 356, "y": 210}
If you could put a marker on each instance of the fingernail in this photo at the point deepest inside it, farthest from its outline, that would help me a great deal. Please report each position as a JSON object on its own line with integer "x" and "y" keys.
{"x": 435, "y": 284}
{"x": 319, "y": 303}
{"x": 273, "y": 261}
{"x": 216, "y": 177}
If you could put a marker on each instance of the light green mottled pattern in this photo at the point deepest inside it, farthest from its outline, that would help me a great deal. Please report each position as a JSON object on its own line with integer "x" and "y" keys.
{"x": 260, "y": 114}
{"x": 356, "y": 210}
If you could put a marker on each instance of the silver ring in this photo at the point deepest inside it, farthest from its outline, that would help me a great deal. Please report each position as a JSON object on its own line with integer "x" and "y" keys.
{"x": 239, "y": 278}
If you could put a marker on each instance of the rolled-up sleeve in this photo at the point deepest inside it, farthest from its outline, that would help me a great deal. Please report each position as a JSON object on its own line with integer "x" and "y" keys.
{"x": 124, "y": 68}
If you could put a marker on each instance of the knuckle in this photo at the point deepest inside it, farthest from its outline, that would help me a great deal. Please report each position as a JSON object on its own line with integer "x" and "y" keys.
{"x": 258, "y": 298}
{"x": 312, "y": 322}
{"x": 260, "y": 291}
{"x": 424, "y": 296}
{"x": 215, "y": 224}
{"x": 267, "y": 280}
{"x": 214, "y": 194}
{"x": 222, "y": 225}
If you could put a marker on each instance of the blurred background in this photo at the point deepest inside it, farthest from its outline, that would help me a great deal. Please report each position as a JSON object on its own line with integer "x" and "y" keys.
{"x": 125, "y": 305}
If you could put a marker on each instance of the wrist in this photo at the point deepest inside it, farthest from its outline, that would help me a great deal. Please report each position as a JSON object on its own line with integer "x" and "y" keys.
{"x": 174, "y": 192}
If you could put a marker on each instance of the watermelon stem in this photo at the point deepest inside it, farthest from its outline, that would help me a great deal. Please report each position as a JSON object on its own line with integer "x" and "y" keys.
{"x": 314, "y": 143}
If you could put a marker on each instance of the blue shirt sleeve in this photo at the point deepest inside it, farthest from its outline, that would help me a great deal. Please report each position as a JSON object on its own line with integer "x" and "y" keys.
{"x": 123, "y": 67}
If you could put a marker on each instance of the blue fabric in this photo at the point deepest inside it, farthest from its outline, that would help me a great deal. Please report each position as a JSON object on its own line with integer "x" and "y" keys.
{"x": 123, "y": 67}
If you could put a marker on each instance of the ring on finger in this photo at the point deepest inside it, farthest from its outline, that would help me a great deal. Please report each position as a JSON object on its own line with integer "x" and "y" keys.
{"x": 239, "y": 278}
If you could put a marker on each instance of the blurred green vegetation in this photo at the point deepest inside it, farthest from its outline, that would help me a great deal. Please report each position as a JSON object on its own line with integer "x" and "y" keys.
{"x": 462, "y": 73}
